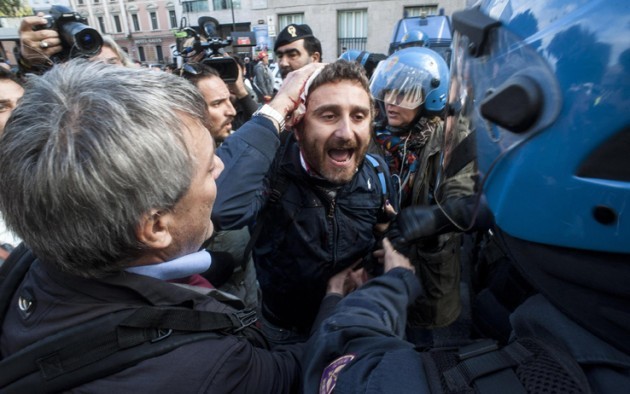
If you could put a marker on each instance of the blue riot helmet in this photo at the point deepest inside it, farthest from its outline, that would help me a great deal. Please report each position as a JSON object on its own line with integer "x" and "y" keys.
{"x": 355, "y": 55}
{"x": 367, "y": 60}
{"x": 413, "y": 38}
{"x": 546, "y": 95}
{"x": 540, "y": 92}
{"x": 410, "y": 78}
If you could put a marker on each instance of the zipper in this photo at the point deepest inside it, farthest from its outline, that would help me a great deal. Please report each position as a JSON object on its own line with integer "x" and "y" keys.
{"x": 333, "y": 225}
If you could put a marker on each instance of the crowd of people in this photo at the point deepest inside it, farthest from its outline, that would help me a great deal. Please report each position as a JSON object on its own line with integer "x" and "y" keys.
{"x": 184, "y": 231}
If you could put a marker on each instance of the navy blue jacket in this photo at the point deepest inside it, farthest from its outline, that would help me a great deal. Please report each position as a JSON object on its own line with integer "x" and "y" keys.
{"x": 360, "y": 349}
{"x": 310, "y": 234}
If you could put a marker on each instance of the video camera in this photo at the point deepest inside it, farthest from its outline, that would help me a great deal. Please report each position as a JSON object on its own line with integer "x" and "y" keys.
{"x": 211, "y": 48}
{"x": 77, "y": 38}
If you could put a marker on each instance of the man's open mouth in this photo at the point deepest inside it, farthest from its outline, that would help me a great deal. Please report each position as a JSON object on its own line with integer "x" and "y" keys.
{"x": 341, "y": 156}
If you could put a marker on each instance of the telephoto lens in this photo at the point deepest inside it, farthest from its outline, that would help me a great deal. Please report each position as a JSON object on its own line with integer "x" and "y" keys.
{"x": 86, "y": 39}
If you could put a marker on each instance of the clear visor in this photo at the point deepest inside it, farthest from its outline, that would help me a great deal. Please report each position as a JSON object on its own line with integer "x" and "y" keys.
{"x": 473, "y": 146}
{"x": 398, "y": 84}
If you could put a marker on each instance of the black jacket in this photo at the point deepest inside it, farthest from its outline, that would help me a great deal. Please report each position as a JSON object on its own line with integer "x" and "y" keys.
{"x": 221, "y": 364}
{"x": 309, "y": 236}
{"x": 313, "y": 232}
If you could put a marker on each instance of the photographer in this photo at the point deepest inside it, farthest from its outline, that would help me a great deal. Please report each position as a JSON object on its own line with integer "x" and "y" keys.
{"x": 64, "y": 34}
{"x": 37, "y": 46}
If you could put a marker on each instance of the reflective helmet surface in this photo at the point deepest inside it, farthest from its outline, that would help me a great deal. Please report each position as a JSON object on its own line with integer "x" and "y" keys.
{"x": 413, "y": 38}
{"x": 355, "y": 55}
{"x": 544, "y": 88}
{"x": 410, "y": 78}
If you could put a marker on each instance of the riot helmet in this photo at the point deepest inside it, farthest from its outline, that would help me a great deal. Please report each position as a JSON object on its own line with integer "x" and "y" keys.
{"x": 412, "y": 78}
{"x": 413, "y": 38}
{"x": 367, "y": 60}
{"x": 545, "y": 92}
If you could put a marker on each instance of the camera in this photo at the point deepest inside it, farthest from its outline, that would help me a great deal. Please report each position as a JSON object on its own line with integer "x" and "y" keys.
{"x": 226, "y": 66}
{"x": 77, "y": 38}
{"x": 211, "y": 48}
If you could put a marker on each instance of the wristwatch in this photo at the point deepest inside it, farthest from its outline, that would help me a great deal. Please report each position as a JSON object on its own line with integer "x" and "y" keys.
{"x": 268, "y": 112}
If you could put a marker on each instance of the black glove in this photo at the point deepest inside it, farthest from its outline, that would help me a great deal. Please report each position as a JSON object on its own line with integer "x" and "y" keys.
{"x": 422, "y": 221}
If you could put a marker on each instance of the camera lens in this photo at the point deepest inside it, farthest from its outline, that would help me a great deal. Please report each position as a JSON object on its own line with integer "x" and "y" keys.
{"x": 88, "y": 40}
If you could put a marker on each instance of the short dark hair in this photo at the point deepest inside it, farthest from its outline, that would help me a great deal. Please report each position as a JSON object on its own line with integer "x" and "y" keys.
{"x": 10, "y": 75}
{"x": 312, "y": 45}
{"x": 238, "y": 60}
{"x": 341, "y": 70}
{"x": 194, "y": 72}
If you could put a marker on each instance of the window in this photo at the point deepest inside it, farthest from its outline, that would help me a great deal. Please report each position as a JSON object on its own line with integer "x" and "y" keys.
{"x": 154, "y": 21}
{"x": 136, "y": 22}
{"x": 420, "y": 10}
{"x": 97, "y": 1}
{"x": 195, "y": 6}
{"x": 141, "y": 54}
{"x": 173, "y": 18}
{"x": 352, "y": 30}
{"x": 226, "y": 4}
{"x": 160, "y": 55}
{"x": 101, "y": 24}
{"x": 117, "y": 24}
{"x": 80, "y": 2}
{"x": 287, "y": 19}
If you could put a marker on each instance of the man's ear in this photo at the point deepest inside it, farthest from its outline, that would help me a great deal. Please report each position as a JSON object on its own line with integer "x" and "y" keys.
{"x": 317, "y": 57}
{"x": 153, "y": 229}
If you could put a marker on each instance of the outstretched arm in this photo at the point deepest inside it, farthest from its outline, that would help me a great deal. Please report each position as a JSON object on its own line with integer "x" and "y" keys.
{"x": 368, "y": 322}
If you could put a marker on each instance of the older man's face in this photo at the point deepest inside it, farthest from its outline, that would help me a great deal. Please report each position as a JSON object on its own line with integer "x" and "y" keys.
{"x": 191, "y": 224}
{"x": 10, "y": 93}
{"x": 335, "y": 131}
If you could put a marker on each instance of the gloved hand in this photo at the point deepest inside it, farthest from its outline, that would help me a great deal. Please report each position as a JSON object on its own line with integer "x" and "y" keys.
{"x": 422, "y": 221}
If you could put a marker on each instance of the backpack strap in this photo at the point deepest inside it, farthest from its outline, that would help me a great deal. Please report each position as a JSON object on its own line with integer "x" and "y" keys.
{"x": 464, "y": 153}
{"x": 115, "y": 341}
{"x": 380, "y": 173}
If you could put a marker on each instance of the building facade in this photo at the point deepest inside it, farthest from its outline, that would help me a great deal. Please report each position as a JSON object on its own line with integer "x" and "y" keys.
{"x": 146, "y": 28}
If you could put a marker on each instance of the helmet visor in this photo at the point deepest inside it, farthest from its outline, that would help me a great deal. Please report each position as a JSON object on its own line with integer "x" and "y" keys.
{"x": 396, "y": 83}
{"x": 474, "y": 146}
